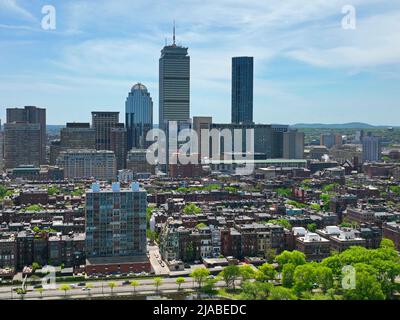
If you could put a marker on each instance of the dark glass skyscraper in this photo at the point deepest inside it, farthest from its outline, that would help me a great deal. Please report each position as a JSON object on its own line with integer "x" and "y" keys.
{"x": 138, "y": 116}
{"x": 242, "y": 90}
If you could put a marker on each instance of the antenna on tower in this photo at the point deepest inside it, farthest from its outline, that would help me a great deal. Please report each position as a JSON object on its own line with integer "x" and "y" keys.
{"x": 174, "y": 34}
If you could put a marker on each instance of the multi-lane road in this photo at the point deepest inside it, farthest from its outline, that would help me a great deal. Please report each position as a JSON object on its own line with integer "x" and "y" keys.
{"x": 100, "y": 289}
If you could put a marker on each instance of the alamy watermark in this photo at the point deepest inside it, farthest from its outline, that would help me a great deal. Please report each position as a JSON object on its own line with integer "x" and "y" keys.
{"x": 49, "y": 20}
{"x": 188, "y": 146}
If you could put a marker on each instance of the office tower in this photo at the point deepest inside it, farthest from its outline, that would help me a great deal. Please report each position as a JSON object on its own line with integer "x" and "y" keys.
{"x": 87, "y": 164}
{"x": 31, "y": 115}
{"x": 74, "y": 136}
{"x": 242, "y": 90}
{"x": 1, "y": 147}
{"x": 200, "y": 123}
{"x": 118, "y": 138}
{"x": 77, "y": 136}
{"x": 138, "y": 116}
{"x": 102, "y": 122}
{"x": 22, "y": 144}
{"x": 293, "y": 145}
{"x": 116, "y": 229}
{"x": 137, "y": 162}
{"x": 174, "y": 84}
{"x": 371, "y": 149}
{"x": 330, "y": 140}
{"x": 277, "y": 140}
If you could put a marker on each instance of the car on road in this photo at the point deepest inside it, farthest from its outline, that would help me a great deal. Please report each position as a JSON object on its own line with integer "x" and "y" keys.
{"x": 85, "y": 289}
{"x": 37, "y": 286}
{"x": 81, "y": 284}
{"x": 126, "y": 282}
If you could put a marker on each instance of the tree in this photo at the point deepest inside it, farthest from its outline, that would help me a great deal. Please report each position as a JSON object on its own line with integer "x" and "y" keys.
{"x": 288, "y": 275}
{"x": 255, "y": 290}
{"x": 304, "y": 278}
{"x": 199, "y": 275}
{"x": 179, "y": 282}
{"x": 367, "y": 288}
{"x": 230, "y": 275}
{"x": 387, "y": 244}
{"x": 65, "y": 288}
{"x": 311, "y": 227}
{"x": 3, "y": 191}
{"x": 201, "y": 226}
{"x": 112, "y": 285}
{"x": 35, "y": 266}
{"x": 281, "y": 293}
{"x": 40, "y": 290}
{"x": 267, "y": 272}
{"x": 191, "y": 208}
{"x": 281, "y": 222}
{"x": 247, "y": 272}
{"x": 324, "y": 278}
{"x": 134, "y": 284}
{"x": 295, "y": 257}
{"x": 158, "y": 282}
{"x": 209, "y": 285}
{"x": 315, "y": 206}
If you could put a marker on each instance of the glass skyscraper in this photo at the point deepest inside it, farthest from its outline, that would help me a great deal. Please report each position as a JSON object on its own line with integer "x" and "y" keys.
{"x": 174, "y": 84}
{"x": 138, "y": 116}
{"x": 242, "y": 90}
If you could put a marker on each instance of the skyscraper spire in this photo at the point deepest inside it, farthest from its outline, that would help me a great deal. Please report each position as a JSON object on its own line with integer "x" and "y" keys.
{"x": 174, "y": 34}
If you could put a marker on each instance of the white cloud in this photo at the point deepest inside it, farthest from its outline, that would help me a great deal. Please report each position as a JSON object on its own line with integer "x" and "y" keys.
{"x": 13, "y": 7}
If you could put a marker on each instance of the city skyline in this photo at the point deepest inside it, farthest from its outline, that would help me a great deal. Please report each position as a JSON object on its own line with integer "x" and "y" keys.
{"x": 303, "y": 58}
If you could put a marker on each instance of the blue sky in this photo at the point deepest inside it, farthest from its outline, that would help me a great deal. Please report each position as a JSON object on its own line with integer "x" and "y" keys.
{"x": 307, "y": 67}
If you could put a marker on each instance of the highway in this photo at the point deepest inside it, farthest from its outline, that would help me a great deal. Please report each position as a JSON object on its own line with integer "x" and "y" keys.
{"x": 100, "y": 289}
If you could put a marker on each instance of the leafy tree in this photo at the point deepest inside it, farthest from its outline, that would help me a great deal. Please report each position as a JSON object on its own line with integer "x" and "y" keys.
{"x": 281, "y": 222}
{"x": 199, "y": 275}
{"x": 281, "y": 293}
{"x": 387, "y": 244}
{"x": 315, "y": 206}
{"x": 3, "y": 191}
{"x": 112, "y": 285}
{"x": 324, "y": 278}
{"x": 256, "y": 290}
{"x": 267, "y": 272}
{"x": 134, "y": 284}
{"x": 284, "y": 192}
{"x": 295, "y": 257}
{"x": 230, "y": 274}
{"x": 304, "y": 278}
{"x": 35, "y": 266}
{"x": 191, "y": 208}
{"x": 247, "y": 272}
{"x": 179, "y": 282}
{"x": 209, "y": 285}
{"x": 201, "y": 225}
{"x": 65, "y": 288}
{"x": 158, "y": 282}
{"x": 40, "y": 290}
{"x": 367, "y": 288}
{"x": 311, "y": 227}
{"x": 270, "y": 254}
{"x": 288, "y": 275}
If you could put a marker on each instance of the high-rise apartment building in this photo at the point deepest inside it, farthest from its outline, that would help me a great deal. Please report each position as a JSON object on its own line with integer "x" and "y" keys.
{"x": 31, "y": 115}
{"x": 330, "y": 140}
{"x": 371, "y": 149}
{"x": 293, "y": 145}
{"x": 102, "y": 122}
{"x": 74, "y": 136}
{"x": 116, "y": 229}
{"x": 278, "y": 131}
{"x": 174, "y": 84}
{"x": 119, "y": 142}
{"x": 87, "y": 164}
{"x": 22, "y": 144}
{"x": 138, "y": 116}
{"x": 242, "y": 89}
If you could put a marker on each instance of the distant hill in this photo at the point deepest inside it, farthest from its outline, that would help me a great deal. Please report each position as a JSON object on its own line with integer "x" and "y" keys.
{"x": 350, "y": 125}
